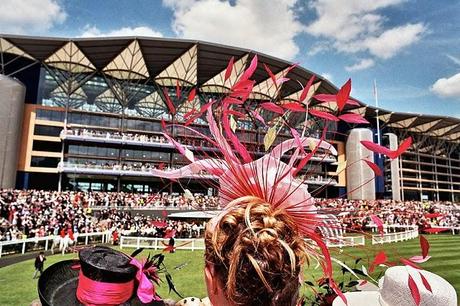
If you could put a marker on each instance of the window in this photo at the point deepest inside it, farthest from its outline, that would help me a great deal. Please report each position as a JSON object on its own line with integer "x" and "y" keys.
{"x": 43, "y": 161}
{"x": 49, "y": 146}
{"x": 46, "y": 130}
{"x": 52, "y": 115}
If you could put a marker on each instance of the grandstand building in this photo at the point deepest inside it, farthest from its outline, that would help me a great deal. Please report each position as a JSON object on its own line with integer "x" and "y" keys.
{"x": 86, "y": 114}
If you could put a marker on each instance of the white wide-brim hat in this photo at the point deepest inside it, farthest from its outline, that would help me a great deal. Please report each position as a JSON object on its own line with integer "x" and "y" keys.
{"x": 394, "y": 290}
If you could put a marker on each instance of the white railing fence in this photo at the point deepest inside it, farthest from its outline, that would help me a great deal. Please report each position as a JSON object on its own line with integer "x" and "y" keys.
{"x": 395, "y": 237}
{"x": 198, "y": 243}
{"x": 45, "y": 243}
{"x": 346, "y": 241}
{"x": 160, "y": 243}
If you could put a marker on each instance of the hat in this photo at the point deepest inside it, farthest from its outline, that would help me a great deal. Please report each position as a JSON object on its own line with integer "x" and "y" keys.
{"x": 190, "y": 301}
{"x": 395, "y": 291}
{"x": 103, "y": 276}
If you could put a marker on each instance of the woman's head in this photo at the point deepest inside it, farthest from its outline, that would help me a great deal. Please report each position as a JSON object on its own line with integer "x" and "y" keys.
{"x": 254, "y": 256}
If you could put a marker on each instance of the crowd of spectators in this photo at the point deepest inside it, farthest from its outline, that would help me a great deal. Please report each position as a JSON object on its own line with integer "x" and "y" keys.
{"x": 33, "y": 213}
{"x": 116, "y": 135}
{"x": 126, "y": 136}
{"x": 354, "y": 213}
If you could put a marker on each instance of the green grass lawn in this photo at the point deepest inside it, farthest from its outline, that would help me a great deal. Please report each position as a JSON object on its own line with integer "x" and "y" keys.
{"x": 18, "y": 288}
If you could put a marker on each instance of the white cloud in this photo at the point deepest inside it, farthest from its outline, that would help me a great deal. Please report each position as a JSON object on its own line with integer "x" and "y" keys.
{"x": 30, "y": 17}
{"x": 357, "y": 26}
{"x": 392, "y": 41}
{"x": 447, "y": 87}
{"x": 92, "y": 31}
{"x": 361, "y": 65}
{"x": 266, "y": 26}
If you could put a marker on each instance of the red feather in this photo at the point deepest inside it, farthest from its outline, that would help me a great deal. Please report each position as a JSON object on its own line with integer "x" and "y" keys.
{"x": 272, "y": 107}
{"x": 296, "y": 136}
{"x": 159, "y": 224}
{"x": 169, "y": 234}
{"x": 414, "y": 290}
{"x": 325, "y": 98}
{"x": 169, "y": 248}
{"x": 323, "y": 115}
{"x": 426, "y": 283}
{"x": 270, "y": 73}
{"x": 205, "y": 107}
{"x": 409, "y": 263}
{"x": 377, "y": 222}
{"x": 343, "y": 95}
{"x": 228, "y": 71}
{"x": 169, "y": 103}
{"x": 230, "y": 100}
{"x": 235, "y": 113}
{"x": 295, "y": 107}
{"x": 178, "y": 94}
{"x": 376, "y": 148}
{"x": 374, "y": 167}
{"x": 234, "y": 139}
{"x": 192, "y": 94}
{"x": 419, "y": 259}
{"x": 435, "y": 230}
{"x": 424, "y": 245}
{"x": 258, "y": 116}
{"x": 380, "y": 258}
{"x": 353, "y": 118}
{"x": 385, "y": 151}
{"x": 241, "y": 90}
{"x": 252, "y": 67}
{"x": 306, "y": 89}
{"x": 189, "y": 113}
{"x": 403, "y": 146}
{"x": 192, "y": 119}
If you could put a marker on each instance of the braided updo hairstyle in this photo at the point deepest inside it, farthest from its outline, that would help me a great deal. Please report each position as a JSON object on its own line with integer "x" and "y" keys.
{"x": 257, "y": 254}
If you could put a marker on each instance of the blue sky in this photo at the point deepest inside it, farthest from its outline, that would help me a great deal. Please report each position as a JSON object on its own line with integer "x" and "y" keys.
{"x": 412, "y": 48}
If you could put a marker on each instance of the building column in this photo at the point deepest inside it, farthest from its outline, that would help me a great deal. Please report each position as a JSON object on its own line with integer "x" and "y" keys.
{"x": 360, "y": 178}
{"x": 394, "y": 169}
{"x": 12, "y": 95}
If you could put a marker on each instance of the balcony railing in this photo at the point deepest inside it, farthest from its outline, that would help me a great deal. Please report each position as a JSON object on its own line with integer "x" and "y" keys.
{"x": 116, "y": 170}
{"x": 151, "y": 141}
{"x": 119, "y": 170}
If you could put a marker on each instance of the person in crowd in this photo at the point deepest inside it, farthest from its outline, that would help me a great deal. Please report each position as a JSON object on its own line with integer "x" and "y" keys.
{"x": 39, "y": 264}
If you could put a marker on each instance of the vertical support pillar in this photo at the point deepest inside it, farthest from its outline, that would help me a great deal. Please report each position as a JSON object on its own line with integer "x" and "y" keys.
{"x": 60, "y": 182}
{"x": 360, "y": 184}
{"x": 436, "y": 178}
{"x": 394, "y": 169}
{"x": 419, "y": 176}
{"x": 451, "y": 178}
{"x": 401, "y": 182}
